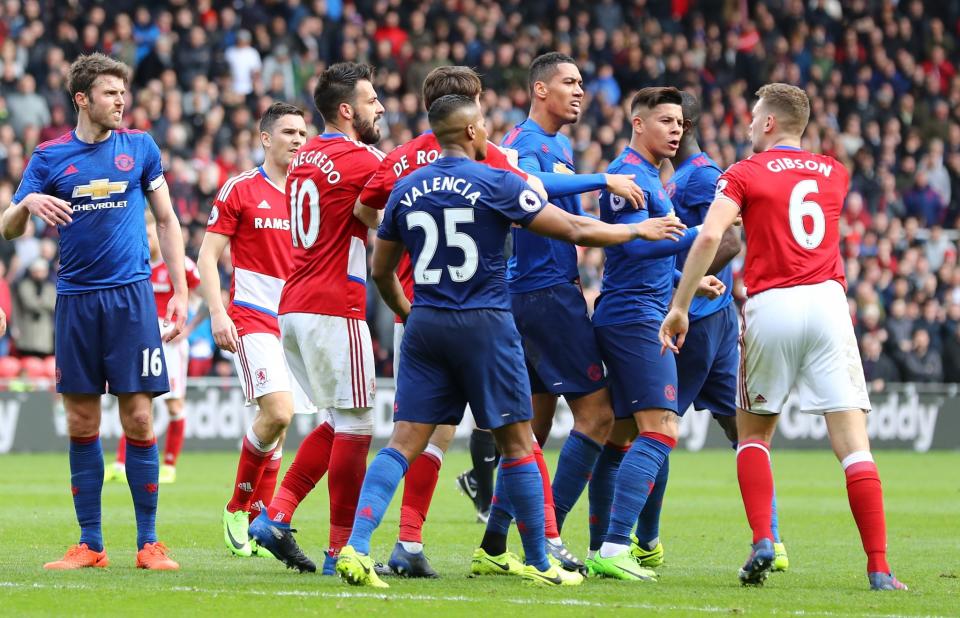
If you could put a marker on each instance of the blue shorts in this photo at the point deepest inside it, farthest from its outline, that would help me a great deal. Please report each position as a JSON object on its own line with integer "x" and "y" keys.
{"x": 558, "y": 341}
{"x": 640, "y": 377}
{"x": 708, "y": 364}
{"x": 454, "y": 358}
{"x": 109, "y": 341}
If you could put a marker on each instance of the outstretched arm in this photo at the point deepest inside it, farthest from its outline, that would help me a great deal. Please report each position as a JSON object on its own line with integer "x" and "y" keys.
{"x": 557, "y": 223}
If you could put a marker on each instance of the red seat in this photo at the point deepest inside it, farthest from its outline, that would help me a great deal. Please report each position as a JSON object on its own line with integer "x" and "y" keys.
{"x": 33, "y": 367}
{"x": 9, "y": 367}
{"x": 50, "y": 367}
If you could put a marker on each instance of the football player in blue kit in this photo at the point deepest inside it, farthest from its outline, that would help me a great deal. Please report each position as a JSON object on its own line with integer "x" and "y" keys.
{"x": 707, "y": 365}
{"x": 546, "y": 297}
{"x": 637, "y": 286}
{"x": 461, "y": 345}
{"x": 93, "y": 184}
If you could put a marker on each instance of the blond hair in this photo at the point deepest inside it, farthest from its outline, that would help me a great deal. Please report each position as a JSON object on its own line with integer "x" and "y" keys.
{"x": 789, "y": 104}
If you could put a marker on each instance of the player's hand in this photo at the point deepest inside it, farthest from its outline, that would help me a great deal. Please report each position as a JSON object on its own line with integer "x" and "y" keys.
{"x": 52, "y": 210}
{"x": 624, "y": 186}
{"x": 3, "y": 323}
{"x": 711, "y": 287}
{"x": 676, "y": 324}
{"x": 176, "y": 316}
{"x": 659, "y": 228}
{"x": 224, "y": 332}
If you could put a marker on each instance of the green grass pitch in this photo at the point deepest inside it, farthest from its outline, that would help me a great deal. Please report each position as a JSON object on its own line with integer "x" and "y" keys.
{"x": 704, "y": 532}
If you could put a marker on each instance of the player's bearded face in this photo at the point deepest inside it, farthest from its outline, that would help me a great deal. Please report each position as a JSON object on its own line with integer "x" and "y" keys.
{"x": 105, "y": 101}
{"x": 367, "y": 111}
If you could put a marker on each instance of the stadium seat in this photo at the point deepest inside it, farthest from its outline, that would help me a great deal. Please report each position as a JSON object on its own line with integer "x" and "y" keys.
{"x": 9, "y": 367}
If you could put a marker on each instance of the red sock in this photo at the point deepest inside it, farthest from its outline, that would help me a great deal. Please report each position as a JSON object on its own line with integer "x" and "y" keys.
{"x": 263, "y": 491}
{"x": 249, "y": 470}
{"x": 174, "y": 441}
{"x": 348, "y": 464}
{"x": 550, "y": 529}
{"x": 756, "y": 486}
{"x": 122, "y": 450}
{"x": 418, "y": 487}
{"x": 308, "y": 467}
{"x": 866, "y": 503}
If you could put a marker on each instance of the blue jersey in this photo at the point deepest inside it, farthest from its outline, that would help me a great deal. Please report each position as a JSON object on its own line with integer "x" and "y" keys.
{"x": 638, "y": 277}
{"x": 105, "y": 246}
{"x": 538, "y": 262}
{"x": 453, "y": 216}
{"x": 692, "y": 189}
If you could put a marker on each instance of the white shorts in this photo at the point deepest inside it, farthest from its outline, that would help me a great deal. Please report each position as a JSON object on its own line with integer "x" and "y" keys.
{"x": 800, "y": 336}
{"x": 331, "y": 355}
{"x": 263, "y": 370}
{"x": 397, "y": 340}
{"x": 177, "y": 357}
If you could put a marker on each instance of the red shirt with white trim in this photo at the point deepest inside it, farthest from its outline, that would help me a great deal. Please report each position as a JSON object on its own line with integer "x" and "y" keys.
{"x": 329, "y": 243}
{"x": 406, "y": 159}
{"x": 252, "y": 211}
{"x": 163, "y": 286}
{"x": 791, "y": 201}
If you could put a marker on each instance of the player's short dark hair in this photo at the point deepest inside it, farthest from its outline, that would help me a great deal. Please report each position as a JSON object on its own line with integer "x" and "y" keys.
{"x": 544, "y": 66}
{"x": 277, "y": 110}
{"x": 87, "y": 68}
{"x": 648, "y": 98}
{"x": 338, "y": 84}
{"x": 446, "y": 106}
{"x": 691, "y": 107}
{"x": 450, "y": 80}
{"x": 789, "y": 104}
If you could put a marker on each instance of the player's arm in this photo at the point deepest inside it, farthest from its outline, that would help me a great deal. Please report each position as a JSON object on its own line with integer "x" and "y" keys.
{"x": 557, "y": 223}
{"x": 369, "y": 216}
{"x": 729, "y": 248}
{"x": 224, "y": 330}
{"x": 386, "y": 257}
{"x": 562, "y": 185}
{"x": 722, "y": 214}
{"x": 30, "y": 199}
{"x": 171, "y": 247}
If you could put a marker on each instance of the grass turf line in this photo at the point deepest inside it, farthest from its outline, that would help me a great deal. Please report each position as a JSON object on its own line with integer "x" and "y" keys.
{"x": 704, "y": 532}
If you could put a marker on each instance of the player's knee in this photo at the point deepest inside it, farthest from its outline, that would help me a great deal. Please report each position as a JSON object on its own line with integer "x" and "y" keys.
{"x": 138, "y": 424}
{"x": 665, "y": 422}
{"x": 276, "y": 410}
{"x": 443, "y": 436}
{"x": 356, "y": 421}
{"x": 596, "y": 426}
{"x": 175, "y": 409}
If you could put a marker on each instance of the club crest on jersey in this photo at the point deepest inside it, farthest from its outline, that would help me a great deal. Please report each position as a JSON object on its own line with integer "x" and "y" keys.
{"x": 124, "y": 162}
{"x": 100, "y": 189}
{"x": 529, "y": 201}
{"x": 670, "y": 392}
{"x": 261, "y": 376}
{"x": 214, "y": 215}
{"x": 561, "y": 168}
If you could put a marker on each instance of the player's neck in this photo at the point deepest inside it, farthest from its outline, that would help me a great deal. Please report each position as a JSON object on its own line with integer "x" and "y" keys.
{"x": 455, "y": 151}
{"x": 275, "y": 173}
{"x": 90, "y": 132}
{"x": 644, "y": 151}
{"x": 545, "y": 120}
{"x": 687, "y": 149}
{"x": 346, "y": 129}
{"x": 789, "y": 141}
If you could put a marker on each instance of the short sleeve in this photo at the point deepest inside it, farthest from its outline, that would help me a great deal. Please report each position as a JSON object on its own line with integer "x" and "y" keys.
{"x": 497, "y": 158}
{"x": 225, "y": 213}
{"x": 702, "y": 188}
{"x": 732, "y": 184}
{"x": 517, "y": 201}
{"x": 152, "y": 176}
{"x": 377, "y": 190}
{"x": 193, "y": 274}
{"x": 35, "y": 177}
{"x": 388, "y": 226}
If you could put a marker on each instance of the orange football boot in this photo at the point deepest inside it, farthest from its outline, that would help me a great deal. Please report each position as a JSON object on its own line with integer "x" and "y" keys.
{"x": 154, "y": 556}
{"x": 79, "y": 557}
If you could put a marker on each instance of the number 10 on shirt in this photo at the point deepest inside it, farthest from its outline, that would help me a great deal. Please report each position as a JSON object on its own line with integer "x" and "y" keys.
{"x": 302, "y": 235}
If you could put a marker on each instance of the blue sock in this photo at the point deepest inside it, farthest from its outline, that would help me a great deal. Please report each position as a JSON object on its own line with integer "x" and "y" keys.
{"x": 578, "y": 457}
{"x": 774, "y": 523}
{"x": 501, "y": 511}
{"x": 635, "y": 481}
{"x": 648, "y": 524}
{"x": 86, "y": 483}
{"x": 524, "y": 488}
{"x": 381, "y": 482}
{"x": 600, "y": 491}
{"x": 143, "y": 476}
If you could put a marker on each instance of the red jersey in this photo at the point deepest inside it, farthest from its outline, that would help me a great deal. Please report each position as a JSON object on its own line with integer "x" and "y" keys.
{"x": 406, "y": 159}
{"x": 252, "y": 211}
{"x": 791, "y": 202}
{"x": 329, "y": 243}
{"x": 163, "y": 287}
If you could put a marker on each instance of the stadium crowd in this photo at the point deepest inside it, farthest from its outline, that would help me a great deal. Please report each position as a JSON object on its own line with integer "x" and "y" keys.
{"x": 881, "y": 75}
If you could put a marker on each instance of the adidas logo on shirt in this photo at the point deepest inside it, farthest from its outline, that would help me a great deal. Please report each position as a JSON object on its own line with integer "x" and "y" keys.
{"x": 264, "y": 204}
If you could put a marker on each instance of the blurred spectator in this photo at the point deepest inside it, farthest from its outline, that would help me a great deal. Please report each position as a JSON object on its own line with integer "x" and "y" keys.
{"x": 27, "y": 108}
{"x": 951, "y": 353}
{"x": 878, "y": 368}
{"x": 6, "y": 305}
{"x": 921, "y": 363}
{"x": 35, "y": 296}
{"x": 244, "y": 61}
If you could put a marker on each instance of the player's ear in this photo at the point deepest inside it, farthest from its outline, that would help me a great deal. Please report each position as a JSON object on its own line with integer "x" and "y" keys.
{"x": 472, "y": 132}
{"x": 265, "y": 139}
{"x": 346, "y": 110}
{"x": 540, "y": 89}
